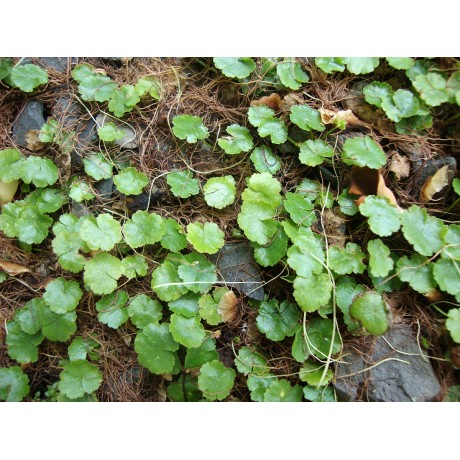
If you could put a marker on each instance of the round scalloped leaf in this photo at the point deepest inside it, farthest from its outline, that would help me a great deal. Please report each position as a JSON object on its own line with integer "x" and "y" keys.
{"x": 183, "y": 184}
{"x": 102, "y": 232}
{"x": 262, "y": 188}
{"x": 402, "y": 104}
{"x": 258, "y": 113}
{"x": 49, "y": 130}
{"x": 277, "y": 320}
{"x": 79, "y": 378}
{"x": 414, "y": 125}
{"x": 256, "y": 220}
{"x": 197, "y": 272}
{"x": 235, "y": 67}
{"x": 220, "y": 192}
{"x": 376, "y": 92}
{"x": 102, "y": 272}
{"x": 62, "y": 295}
{"x": 380, "y": 262}
{"x": 274, "y": 128}
{"x": 207, "y": 237}
{"x": 209, "y": 306}
{"x": 258, "y": 386}
{"x": 81, "y": 347}
{"x": 347, "y": 203}
{"x": 240, "y": 140}
{"x": 446, "y": 273}
{"x": 363, "y": 151}
{"x": 27, "y": 316}
{"x": 81, "y": 71}
{"x": 319, "y": 332}
{"x": 270, "y": 254}
{"x": 372, "y": 312}
{"x": 97, "y": 166}
{"x": 282, "y": 391}
{"x": 57, "y": 328}
{"x": 452, "y": 240}
{"x": 112, "y": 310}
{"x": 6, "y": 64}
{"x": 14, "y": 384}
{"x": 361, "y": 65}
{"x": 313, "y": 153}
{"x": 189, "y": 127}
{"x": 188, "y": 331}
{"x": 265, "y": 160}
{"x": 144, "y": 310}
{"x": 312, "y": 293}
{"x": 10, "y": 165}
{"x": 155, "y": 347}
{"x": 384, "y": 217}
{"x": 130, "y": 181}
{"x": 187, "y": 305}
{"x": 134, "y": 265}
{"x": 123, "y": 100}
{"x": 39, "y": 171}
{"x": 325, "y": 394}
{"x": 95, "y": 86}
{"x": 148, "y": 85}
{"x": 249, "y": 361}
{"x": 166, "y": 282}
{"x": 423, "y": 231}
{"x": 143, "y": 228}
{"x": 47, "y": 200}
{"x": 110, "y": 132}
{"x": 400, "y": 63}
{"x": 27, "y": 77}
{"x": 299, "y": 349}
{"x": 453, "y": 324}
{"x": 306, "y": 118}
{"x": 330, "y": 64}
{"x": 80, "y": 191}
{"x": 22, "y": 347}
{"x": 346, "y": 260}
{"x": 215, "y": 380}
{"x": 174, "y": 238}
{"x": 185, "y": 390}
{"x": 299, "y": 208}
{"x": 416, "y": 271}
{"x": 346, "y": 291}
{"x": 203, "y": 354}
{"x": 291, "y": 74}
{"x": 312, "y": 373}
{"x": 306, "y": 255}
{"x": 432, "y": 88}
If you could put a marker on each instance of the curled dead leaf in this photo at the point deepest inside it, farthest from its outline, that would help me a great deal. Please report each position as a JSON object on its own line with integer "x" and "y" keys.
{"x": 32, "y": 140}
{"x": 400, "y": 166}
{"x": 228, "y": 306}
{"x": 7, "y": 191}
{"x": 13, "y": 269}
{"x": 434, "y": 295}
{"x": 436, "y": 183}
{"x": 273, "y": 101}
{"x": 331, "y": 117}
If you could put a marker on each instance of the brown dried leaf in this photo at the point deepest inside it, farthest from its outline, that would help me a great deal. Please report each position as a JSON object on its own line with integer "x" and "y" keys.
{"x": 289, "y": 100}
{"x": 13, "y": 269}
{"x": 273, "y": 101}
{"x": 435, "y": 183}
{"x": 228, "y": 306}
{"x": 329, "y": 117}
{"x": 32, "y": 140}
{"x": 400, "y": 166}
{"x": 7, "y": 191}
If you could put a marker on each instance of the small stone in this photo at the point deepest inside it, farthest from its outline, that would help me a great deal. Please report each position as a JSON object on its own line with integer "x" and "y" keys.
{"x": 66, "y": 112}
{"x": 397, "y": 381}
{"x": 104, "y": 188}
{"x": 31, "y": 118}
{"x": 79, "y": 209}
{"x": 60, "y": 64}
{"x": 86, "y": 134}
{"x": 145, "y": 200}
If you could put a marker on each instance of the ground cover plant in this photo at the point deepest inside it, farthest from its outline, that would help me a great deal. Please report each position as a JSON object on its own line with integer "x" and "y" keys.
{"x": 224, "y": 229}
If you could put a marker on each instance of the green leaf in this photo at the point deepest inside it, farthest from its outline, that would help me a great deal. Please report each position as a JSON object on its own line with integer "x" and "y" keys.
{"x": 155, "y": 347}
{"x": 312, "y": 372}
{"x": 189, "y": 127}
{"x": 452, "y": 239}
{"x": 81, "y": 347}
{"x": 347, "y": 203}
{"x": 423, "y": 231}
{"x": 452, "y": 394}
{"x": 313, "y": 153}
{"x": 417, "y": 271}
{"x": 197, "y": 272}
{"x": 330, "y": 64}
{"x": 6, "y": 64}
{"x": 372, "y": 312}
{"x": 97, "y": 166}
{"x": 258, "y": 113}
{"x": 220, "y": 192}
{"x": 277, "y": 321}
{"x": 453, "y": 324}
{"x": 14, "y": 384}
{"x": 80, "y": 191}
{"x": 400, "y": 63}
{"x": 256, "y": 220}
{"x": 143, "y": 311}
{"x": 39, "y": 171}
{"x": 414, "y": 124}
{"x": 134, "y": 265}
{"x": 10, "y": 165}
{"x": 376, "y": 92}
{"x": 22, "y": 347}
{"x": 183, "y": 184}
{"x": 324, "y": 394}
{"x": 299, "y": 347}
{"x": 49, "y": 130}
{"x": 143, "y": 228}
{"x": 174, "y": 238}
{"x": 240, "y": 140}
{"x": 306, "y": 255}
{"x": 282, "y": 391}
{"x": 112, "y": 310}
{"x": 166, "y": 282}
{"x": 384, "y": 217}
{"x": 447, "y": 273}
{"x": 291, "y": 74}
{"x": 207, "y": 237}
{"x": 148, "y": 85}
{"x": 235, "y": 67}
{"x": 203, "y": 354}
{"x": 130, "y": 181}
{"x": 110, "y": 132}
{"x": 346, "y": 260}
{"x": 123, "y": 100}
{"x": 380, "y": 262}
{"x": 361, "y": 65}
{"x": 215, "y": 380}
{"x": 346, "y": 291}
{"x": 47, "y": 200}
{"x": 188, "y": 331}
{"x": 263, "y": 119}
{"x": 209, "y": 306}
{"x": 265, "y": 160}
{"x": 313, "y": 292}
{"x": 185, "y": 390}
{"x": 263, "y": 188}
{"x": 102, "y": 272}
{"x": 258, "y": 386}
{"x": 363, "y": 151}
{"x": 95, "y": 86}
{"x": 432, "y": 88}
{"x": 81, "y": 71}
{"x": 455, "y": 185}
{"x": 3, "y": 276}
{"x": 249, "y": 361}
{"x": 306, "y": 118}
{"x": 27, "y": 77}
{"x": 27, "y": 316}
{"x": 78, "y": 378}
{"x": 402, "y": 104}
{"x": 62, "y": 295}
{"x": 320, "y": 343}
{"x": 270, "y": 254}
{"x": 102, "y": 232}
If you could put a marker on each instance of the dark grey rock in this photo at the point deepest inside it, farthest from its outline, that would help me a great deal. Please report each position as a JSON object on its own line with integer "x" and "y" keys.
{"x": 66, "y": 112}
{"x": 430, "y": 168}
{"x": 86, "y": 135}
{"x": 31, "y": 118}
{"x": 237, "y": 267}
{"x": 145, "y": 200}
{"x": 105, "y": 188}
{"x": 394, "y": 381}
{"x": 60, "y": 64}
{"x": 79, "y": 209}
